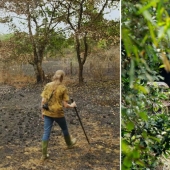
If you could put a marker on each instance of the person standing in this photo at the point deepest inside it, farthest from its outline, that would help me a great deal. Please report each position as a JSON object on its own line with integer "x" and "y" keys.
{"x": 56, "y": 94}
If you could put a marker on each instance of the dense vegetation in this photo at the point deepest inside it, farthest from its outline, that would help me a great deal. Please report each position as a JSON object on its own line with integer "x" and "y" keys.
{"x": 145, "y": 45}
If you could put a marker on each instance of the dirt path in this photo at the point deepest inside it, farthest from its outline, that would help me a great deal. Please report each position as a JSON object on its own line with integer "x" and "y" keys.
{"x": 21, "y": 129}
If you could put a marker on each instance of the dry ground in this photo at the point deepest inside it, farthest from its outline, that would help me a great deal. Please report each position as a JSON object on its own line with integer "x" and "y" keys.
{"x": 21, "y": 129}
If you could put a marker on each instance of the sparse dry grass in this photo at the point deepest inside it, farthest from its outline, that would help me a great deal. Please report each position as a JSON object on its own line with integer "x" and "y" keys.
{"x": 18, "y": 80}
{"x": 100, "y": 65}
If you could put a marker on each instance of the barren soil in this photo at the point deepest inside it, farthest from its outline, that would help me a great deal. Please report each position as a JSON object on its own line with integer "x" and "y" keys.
{"x": 21, "y": 129}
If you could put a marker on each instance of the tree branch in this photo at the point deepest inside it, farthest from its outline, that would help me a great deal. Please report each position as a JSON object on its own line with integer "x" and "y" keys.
{"x": 80, "y": 14}
{"x": 30, "y": 31}
{"x": 85, "y": 48}
{"x": 101, "y": 11}
{"x": 68, "y": 17}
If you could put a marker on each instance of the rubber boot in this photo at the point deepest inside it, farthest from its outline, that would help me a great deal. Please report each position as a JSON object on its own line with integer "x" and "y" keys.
{"x": 70, "y": 142}
{"x": 44, "y": 150}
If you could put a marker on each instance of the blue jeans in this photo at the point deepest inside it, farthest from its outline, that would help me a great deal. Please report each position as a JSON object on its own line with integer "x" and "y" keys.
{"x": 48, "y": 123}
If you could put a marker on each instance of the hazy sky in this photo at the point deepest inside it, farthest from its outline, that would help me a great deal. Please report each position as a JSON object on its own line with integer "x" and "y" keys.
{"x": 112, "y": 14}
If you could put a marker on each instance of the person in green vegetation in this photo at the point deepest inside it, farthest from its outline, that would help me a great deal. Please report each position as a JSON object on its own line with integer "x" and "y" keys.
{"x": 56, "y": 94}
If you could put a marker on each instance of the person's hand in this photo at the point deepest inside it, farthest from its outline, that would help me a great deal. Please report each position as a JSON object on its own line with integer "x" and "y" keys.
{"x": 42, "y": 116}
{"x": 73, "y": 104}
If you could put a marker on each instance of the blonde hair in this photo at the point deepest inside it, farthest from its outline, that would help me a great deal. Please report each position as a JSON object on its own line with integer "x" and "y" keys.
{"x": 59, "y": 75}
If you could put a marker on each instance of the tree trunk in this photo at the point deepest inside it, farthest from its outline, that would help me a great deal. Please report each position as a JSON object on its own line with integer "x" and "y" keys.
{"x": 79, "y": 60}
{"x": 38, "y": 57}
{"x": 39, "y": 73}
{"x": 81, "y": 79}
{"x": 71, "y": 68}
{"x": 38, "y": 48}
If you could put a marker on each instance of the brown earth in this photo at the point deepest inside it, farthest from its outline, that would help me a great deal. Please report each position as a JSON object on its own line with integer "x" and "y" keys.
{"x": 21, "y": 129}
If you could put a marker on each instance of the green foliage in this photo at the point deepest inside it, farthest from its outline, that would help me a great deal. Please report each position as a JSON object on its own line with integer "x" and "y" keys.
{"x": 57, "y": 43}
{"x": 5, "y": 36}
{"x": 108, "y": 33}
{"x": 102, "y": 43}
{"x": 22, "y": 43}
{"x": 145, "y": 122}
{"x": 23, "y": 46}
